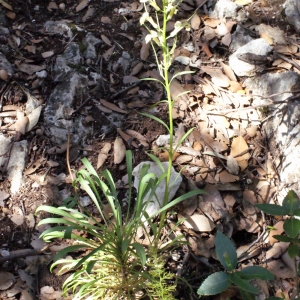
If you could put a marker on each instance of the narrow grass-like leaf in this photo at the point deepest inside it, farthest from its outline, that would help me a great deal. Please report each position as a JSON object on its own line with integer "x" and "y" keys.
{"x": 226, "y": 251}
{"x": 180, "y": 74}
{"x": 214, "y": 284}
{"x": 67, "y": 250}
{"x": 157, "y": 161}
{"x": 156, "y": 119}
{"x": 254, "y": 272}
{"x": 272, "y": 209}
{"x": 140, "y": 252}
{"x": 242, "y": 284}
{"x": 183, "y": 138}
{"x": 292, "y": 227}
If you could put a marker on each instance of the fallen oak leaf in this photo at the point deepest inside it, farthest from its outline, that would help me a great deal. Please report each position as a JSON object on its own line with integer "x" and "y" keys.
{"x": 128, "y": 138}
{"x": 119, "y": 150}
{"x": 112, "y": 106}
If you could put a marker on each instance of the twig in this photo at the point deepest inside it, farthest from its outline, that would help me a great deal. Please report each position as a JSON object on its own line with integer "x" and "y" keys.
{"x": 20, "y": 254}
{"x": 68, "y": 156}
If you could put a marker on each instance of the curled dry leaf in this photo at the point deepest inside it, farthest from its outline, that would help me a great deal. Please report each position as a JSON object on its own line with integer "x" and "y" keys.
{"x": 145, "y": 51}
{"x": 226, "y": 177}
{"x": 21, "y": 123}
{"x": 238, "y": 147}
{"x": 30, "y": 69}
{"x": 278, "y": 230}
{"x": 33, "y": 118}
{"x": 130, "y": 79}
{"x": 228, "y": 71}
{"x": 35, "y": 166}
{"x": 138, "y": 136}
{"x": 206, "y": 50}
{"x": 217, "y": 76}
{"x": 47, "y": 54}
{"x": 6, "y": 5}
{"x": 3, "y": 75}
{"x": 119, "y": 150}
{"x": 103, "y": 154}
{"x": 128, "y": 138}
{"x": 112, "y": 106}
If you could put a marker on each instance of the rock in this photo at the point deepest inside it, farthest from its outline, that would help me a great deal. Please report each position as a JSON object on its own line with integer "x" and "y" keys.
{"x": 175, "y": 181}
{"x": 90, "y": 41}
{"x": 228, "y": 9}
{"x": 59, "y": 109}
{"x": 257, "y": 47}
{"x": 283, "y": 129}
{"x": 63, "y": 27}
{"x": 292, "y": 13}
{"x": 239, "y": 38}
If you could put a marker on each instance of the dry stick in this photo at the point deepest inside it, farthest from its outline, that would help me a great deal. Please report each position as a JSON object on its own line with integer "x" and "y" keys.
{"x": 20, "y": 254}
{"x": 68, "y": 155}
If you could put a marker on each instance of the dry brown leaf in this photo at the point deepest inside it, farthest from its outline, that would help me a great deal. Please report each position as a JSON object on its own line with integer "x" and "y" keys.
{"x": 30, "y": 48}
{"x": 89, "y": 13}
{"x": 58, "y": 149}
{"x": 239, "y": 146}
{"x": 101, "y": 160}
{"x": 232, "y": 165}
{"x": 277, "y": 250}
{"x": 278, "y": 230}
{"x": 222, "y": 29}
{"x": 199, "y": 223}
{"x": 106, "y": 20}
{"x": 226, "y": 177}
{"x": 105, "y": 39}
{"x": 182, "y": 159}
{"x": 21, "y": 123}
{"x": 11, "y": 15}
{"x": 128, "y": 138}
{"x": 52, "y": 5}
{"x": 195, "y": 22}
{"x": 6, "y": 5}
{"x": 137, "y": 68}
{"x": 164, "y": 156}
{"x": 243, "y": 2}
{"x": 83, "y": 4}
{"x": 130, "y": 79}
{"x": 138, "y": 136}
{"x": 39, "y": 162}
{"x": 226, "y": 39}
{"x": 17, "y": 215}
{"x": 119, "y": 150}
{"x": 108, "y": 53}
{"x": 47, "y": 54}
{"x": 112, "y": 106}
{"x": 130, "y": 37}
{"x": 217, "y": 76}
{"x": 267, "y": 38}
{"x": 228, "y": 71}
{"x": 212, "y": 22}
{"x": 145, "y": 51}
{"x": 206, "y": 50}
{"x": 30, "y": 69}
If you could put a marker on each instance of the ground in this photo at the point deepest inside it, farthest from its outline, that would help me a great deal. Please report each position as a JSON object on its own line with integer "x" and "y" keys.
{"x": 231, "y": 192}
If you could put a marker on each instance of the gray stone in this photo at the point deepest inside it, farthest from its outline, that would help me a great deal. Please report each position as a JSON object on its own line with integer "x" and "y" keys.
{"x": 292, "y": 12}
{"x": 155, "y": 204}
{"x": 282, "y": 129}
{"x": 228, "y": 9}
{"x": 6, "y": 65}
{"x": 90, "y": 41}
{"x": 62, "y": 27}
{"x": 239, "y": 38}
{"x": 257, "y": 47}
{"x": 60, "y": 107}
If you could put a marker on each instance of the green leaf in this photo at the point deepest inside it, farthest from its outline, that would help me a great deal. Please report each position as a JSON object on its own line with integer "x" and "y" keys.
{"x": 246, "y": 295}
{"x": 291, "y": 203}
{"x": 292, "y": 227}
{"x": 66, "y": 250}
{"x": 156, "y": 119}
{"x": 140, "y": 252}
{"x": 183, "y": 138}
{"x": 254, "y": 272}
{"x": 214, "y": 284}
{"x": 242, "y": 284}
{"x": 293, "y": 250}
{"x": 272, "y": 209}
{"x": 283, "y": 238}
{"x": 90, "y": 265}
{"x": 226, "y": 252}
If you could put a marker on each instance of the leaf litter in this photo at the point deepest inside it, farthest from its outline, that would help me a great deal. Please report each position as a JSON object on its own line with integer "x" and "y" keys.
{"x": 220, "y": 151}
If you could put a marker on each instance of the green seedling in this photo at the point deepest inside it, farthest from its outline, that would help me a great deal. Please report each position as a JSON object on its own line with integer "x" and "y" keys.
{"x": 220, "y": 281}
{"x": 290, "y": 207}
{"x": 116, "y": 265}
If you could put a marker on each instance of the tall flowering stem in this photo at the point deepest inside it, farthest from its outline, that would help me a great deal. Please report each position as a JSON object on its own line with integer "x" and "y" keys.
{"x": 158, "y": 36}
